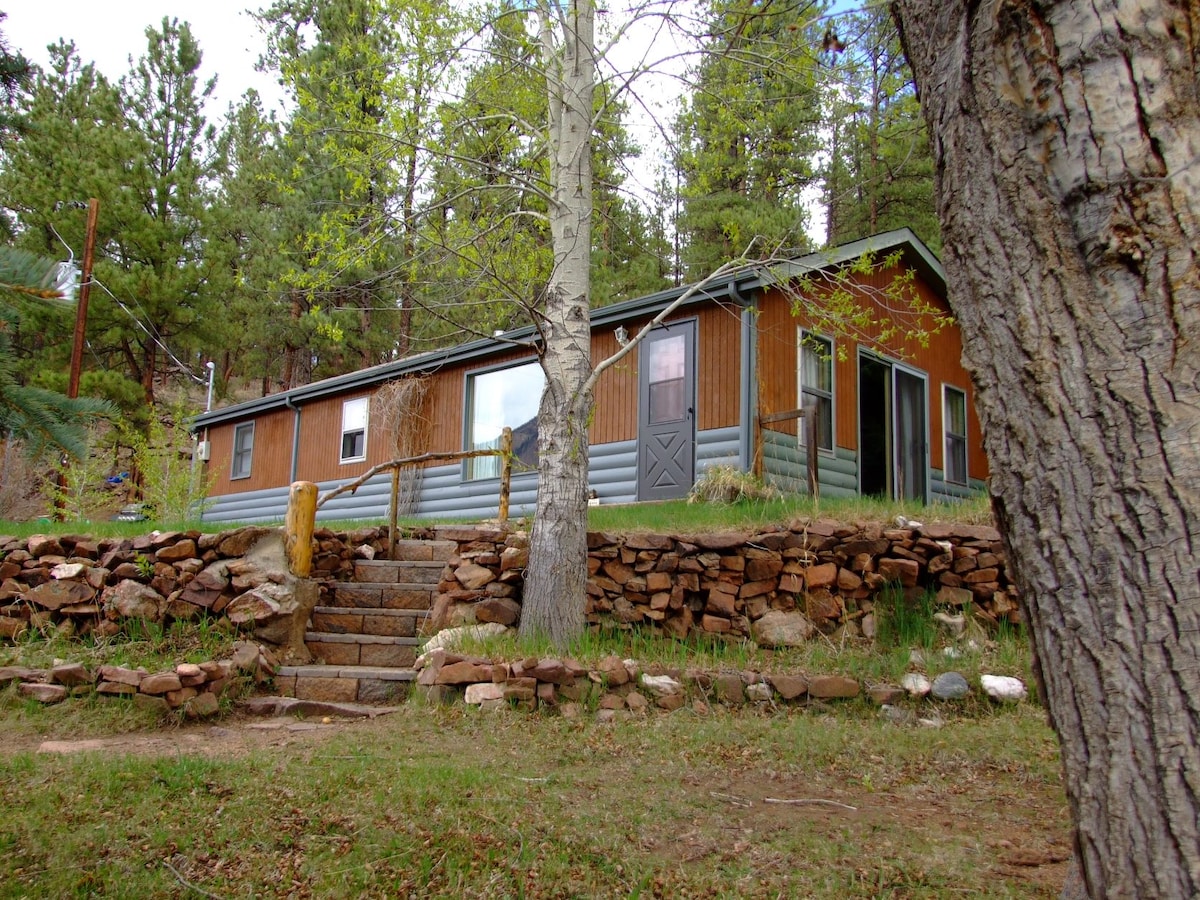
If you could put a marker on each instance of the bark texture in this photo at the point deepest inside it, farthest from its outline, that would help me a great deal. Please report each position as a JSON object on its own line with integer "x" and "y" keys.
{"x": 1067, "y": 145}
{"x": 556, "y": 579}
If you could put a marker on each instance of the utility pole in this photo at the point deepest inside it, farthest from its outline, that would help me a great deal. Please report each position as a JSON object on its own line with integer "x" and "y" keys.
{"x": 85, "y": 289}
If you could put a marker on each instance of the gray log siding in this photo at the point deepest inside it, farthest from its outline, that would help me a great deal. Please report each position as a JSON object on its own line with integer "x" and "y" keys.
{"x": 785, "y": 465}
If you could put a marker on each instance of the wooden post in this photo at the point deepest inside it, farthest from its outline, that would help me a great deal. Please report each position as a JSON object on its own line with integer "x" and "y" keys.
{"x": 506, "y": 443}
{"x": 298, "y": 527}
{"x": 810, "y": 449}
{"x": 395, "y": 513}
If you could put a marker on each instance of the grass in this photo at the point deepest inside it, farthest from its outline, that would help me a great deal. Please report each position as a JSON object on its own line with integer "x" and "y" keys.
{"x": 671, "y": 516}
{"x": 440, "y": 803}
{"x": 142, "y": 643}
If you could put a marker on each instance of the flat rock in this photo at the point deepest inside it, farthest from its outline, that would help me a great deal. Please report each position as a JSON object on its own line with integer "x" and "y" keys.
{"x": 778, "y": 628}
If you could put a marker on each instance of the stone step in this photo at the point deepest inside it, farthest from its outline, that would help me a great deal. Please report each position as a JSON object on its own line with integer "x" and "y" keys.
{"x": 424, "y": 551}
{"x": 386, "y": 571}
{"x": 343, "y": 649}
{"x": 344, "y": 684}
{"x": 404, "y": 595}
{"x": 383, "y": 622}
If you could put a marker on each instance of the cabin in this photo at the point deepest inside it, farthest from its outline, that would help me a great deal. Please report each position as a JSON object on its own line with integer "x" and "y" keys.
{"x": 717, "y": 382}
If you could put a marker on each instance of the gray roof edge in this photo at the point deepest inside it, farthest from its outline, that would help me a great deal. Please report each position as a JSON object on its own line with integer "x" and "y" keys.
{"x": 749, "y": 277}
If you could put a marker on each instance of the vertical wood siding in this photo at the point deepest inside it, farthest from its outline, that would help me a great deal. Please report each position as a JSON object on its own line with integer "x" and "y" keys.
{"x": 271, "y": 462}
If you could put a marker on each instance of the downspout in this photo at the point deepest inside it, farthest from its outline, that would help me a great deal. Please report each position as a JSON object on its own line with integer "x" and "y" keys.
{"x": 287, "y": 401}
{"x": 748, "y": 366}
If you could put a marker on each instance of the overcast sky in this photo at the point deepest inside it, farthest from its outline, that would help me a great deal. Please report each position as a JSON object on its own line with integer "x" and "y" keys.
{"x": 109, "y": 33}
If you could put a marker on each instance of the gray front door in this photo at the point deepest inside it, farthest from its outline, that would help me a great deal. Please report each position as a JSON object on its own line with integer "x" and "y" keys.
{"x": 667, "y": 412}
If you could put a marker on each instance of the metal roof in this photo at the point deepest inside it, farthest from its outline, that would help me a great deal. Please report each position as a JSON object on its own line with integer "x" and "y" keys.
{"x": 735, "y": 285}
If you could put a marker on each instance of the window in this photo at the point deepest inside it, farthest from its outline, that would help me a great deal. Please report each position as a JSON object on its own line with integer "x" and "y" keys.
{"x": 667, "y": 395}
{"x": 243, "y": 450}
{"x": 497, "y": 398}
{"x": 354, "y": 429}
{"x": 954, "y": 424}
{"x": 816, "y": 384}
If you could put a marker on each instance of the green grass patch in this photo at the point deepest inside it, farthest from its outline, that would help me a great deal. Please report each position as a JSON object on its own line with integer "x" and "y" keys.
{"x": 439, "y": 803}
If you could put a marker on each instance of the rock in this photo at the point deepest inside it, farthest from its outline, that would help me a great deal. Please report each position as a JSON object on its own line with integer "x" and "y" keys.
{"x": 782, "y": 629}
{"x": 759, "y": 692}
{"x": 42, "y": 693}
{"x": 729, "y": 688}
{"x": 1003, "y": 688}
{"x": 498, "y": 609}
{"x": 130, "y": 599}
{"x": 464, "y": 672}
{"x": 477, "y": 694}
{"x": 789, "y": 687}
{"x": 885, "y": 694}
{"x": 202, "y": 706}
{"x": 916, "y": 684}
{"x": 68, "y": 570}
{"x": 661, "y": 685}
{"x": 829, "y": 687}
{"x": 449, "y": 637}
{"x": 121, "y": 675}
{"x": 55, "y": 595}
{"x": 949, "y": 686}
{"x": 177, "y": 552}
{"x": 160, "y": 683}
{"x": 473, "y": 577}
{"x": 613, "y": 671}
{"x": 70, "y": 675}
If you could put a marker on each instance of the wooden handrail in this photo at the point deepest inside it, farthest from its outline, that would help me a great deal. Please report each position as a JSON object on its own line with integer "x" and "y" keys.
{"x": 808, "y": 414}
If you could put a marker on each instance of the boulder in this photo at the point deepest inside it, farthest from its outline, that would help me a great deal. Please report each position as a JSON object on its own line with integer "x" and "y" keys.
{"x": 129, "y": 599}
{"x": 778, "y": 628}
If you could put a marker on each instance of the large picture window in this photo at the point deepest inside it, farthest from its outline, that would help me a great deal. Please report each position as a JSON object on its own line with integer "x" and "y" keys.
{"x": 497, "y": 398}
{"x": 954, "y": 424}
{"x": 816, "y": 384}
{"x": 243, "y": 450}
{"x": 354, "y": 430}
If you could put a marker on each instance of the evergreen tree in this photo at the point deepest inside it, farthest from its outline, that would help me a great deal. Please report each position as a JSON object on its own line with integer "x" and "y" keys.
{"x": 748, "y": 133}
{"x": 878, "y": 171}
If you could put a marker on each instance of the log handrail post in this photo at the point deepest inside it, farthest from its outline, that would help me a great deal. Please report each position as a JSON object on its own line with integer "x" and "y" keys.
{"x": 506, "y": 445}
{"x": 299, "y": 525}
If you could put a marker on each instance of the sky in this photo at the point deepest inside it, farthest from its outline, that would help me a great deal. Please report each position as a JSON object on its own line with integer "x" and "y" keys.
{"x": 109, "y": 33}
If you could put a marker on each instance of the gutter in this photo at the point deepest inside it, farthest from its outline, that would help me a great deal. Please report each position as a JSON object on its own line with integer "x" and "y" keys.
{"x": 291, "y": 404}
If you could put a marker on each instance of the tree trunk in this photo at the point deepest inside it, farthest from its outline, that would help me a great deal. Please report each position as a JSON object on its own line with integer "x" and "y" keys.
{"x": 556, "y": 580}
{"x": 1067, "y": 143}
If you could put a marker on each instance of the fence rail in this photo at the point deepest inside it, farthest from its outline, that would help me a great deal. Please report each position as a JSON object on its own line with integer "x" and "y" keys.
{"x": 303, "y": 502}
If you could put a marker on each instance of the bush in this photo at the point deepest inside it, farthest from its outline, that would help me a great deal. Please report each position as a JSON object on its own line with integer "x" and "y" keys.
{"x": 729, "y": 484}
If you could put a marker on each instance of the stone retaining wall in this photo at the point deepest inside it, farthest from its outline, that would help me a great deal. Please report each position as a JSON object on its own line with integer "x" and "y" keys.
{"x": 822, "y": 576}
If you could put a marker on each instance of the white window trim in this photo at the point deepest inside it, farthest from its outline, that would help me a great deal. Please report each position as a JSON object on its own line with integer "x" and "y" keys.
{"x": 801, "y": 334}
{"x": 946, "y": 433}
{"x": 234, "y": 474}
{"x": 366, "y": 418}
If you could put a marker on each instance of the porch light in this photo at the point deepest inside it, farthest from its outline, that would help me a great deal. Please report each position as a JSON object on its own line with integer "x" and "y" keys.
{"x": 621, "y": 335}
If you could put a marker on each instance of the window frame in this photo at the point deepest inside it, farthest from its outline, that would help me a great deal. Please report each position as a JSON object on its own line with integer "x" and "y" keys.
{"x": 355, "y": 402}
{"x": 471, "y": 465}
{"x": 820, "y": 394}
{"x": 238, "y": 453}
{"x": 960, "y": 439}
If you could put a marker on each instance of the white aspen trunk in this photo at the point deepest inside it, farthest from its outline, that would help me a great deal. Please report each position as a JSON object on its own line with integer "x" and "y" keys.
{"x": 556, "y": 578}
{"x": 1067, "y": 145}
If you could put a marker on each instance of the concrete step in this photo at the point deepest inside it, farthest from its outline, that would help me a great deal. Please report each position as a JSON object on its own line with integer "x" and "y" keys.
{"x": 386, "y": 571}
{"x": 342, "y": 649}
{"x": 344, "y": 684}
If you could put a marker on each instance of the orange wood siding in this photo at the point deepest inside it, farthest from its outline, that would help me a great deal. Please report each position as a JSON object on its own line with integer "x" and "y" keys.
{"x": 941, "y": 361}
{"x": 270, "y": 463}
